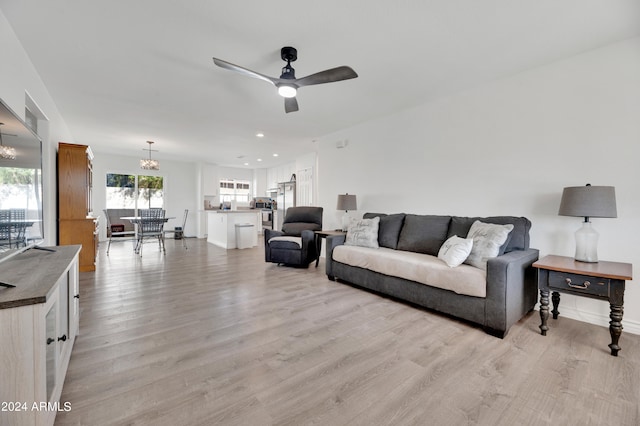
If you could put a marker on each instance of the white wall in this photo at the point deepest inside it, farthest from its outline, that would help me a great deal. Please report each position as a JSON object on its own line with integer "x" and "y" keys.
{"x": 17, "y": 77}
{"x": 509, "y": 148}
{"x": 181, "y": 191}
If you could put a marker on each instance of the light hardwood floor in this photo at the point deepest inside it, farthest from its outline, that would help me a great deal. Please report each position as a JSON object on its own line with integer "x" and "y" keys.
{"x": 214, "y": 337}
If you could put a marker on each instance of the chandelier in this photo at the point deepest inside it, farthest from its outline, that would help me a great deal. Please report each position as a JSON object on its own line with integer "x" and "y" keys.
{"x": 6, "y": 152}
{"x": 148, "y": 163}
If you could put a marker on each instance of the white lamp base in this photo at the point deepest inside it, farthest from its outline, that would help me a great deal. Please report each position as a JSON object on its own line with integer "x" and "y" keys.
{"x": 587, "y": 243}
{"x": 346, "y": 219}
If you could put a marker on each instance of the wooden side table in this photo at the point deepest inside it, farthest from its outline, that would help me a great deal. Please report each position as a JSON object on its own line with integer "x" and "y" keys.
{"x": 319, "y": 235}
{"x": 601, "y": 280}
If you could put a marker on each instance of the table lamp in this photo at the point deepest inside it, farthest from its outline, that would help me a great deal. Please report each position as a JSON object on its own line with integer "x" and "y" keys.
{"x": 346, "y": 202}
{"x": 588, "y": 201}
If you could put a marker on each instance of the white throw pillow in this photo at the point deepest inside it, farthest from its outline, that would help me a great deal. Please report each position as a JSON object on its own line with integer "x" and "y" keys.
{"x": 363, "y": 232}
{"x": 487, "y": 239}
{"x": 455, "y": 250}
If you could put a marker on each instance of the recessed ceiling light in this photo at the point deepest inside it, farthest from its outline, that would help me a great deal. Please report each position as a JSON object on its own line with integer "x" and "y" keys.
{"x": 246, "y": 164}
{"x": 260, "y": 135}
{"x": 275, "y": 155}
{"x": 259, "y": 159}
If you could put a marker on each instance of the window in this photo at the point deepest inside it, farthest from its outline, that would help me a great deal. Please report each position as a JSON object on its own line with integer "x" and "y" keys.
{"x": 231, "y": 189}
{"x": 150, "y": 192}
{"x": 131, "y": 191}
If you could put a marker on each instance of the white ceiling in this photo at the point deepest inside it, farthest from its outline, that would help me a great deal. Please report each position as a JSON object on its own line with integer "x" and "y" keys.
{"x": 126, "y": 71}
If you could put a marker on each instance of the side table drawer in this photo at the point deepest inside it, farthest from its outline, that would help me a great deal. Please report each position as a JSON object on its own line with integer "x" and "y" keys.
{"x": 579, "y": 283}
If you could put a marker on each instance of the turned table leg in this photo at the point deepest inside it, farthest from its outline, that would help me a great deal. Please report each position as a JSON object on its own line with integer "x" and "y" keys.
{"x": 615, "y": 327}
{"x": 544, "y": 311}
{"x": 555, "y": 299}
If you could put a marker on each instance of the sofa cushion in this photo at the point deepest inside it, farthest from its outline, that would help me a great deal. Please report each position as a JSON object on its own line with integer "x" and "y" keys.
{"x": 455, "y": 251}
{"x": 487, "y": 240}
{"x": 518, "y": 238}
{"x": 423, "y": 233}
{"x": 418, "y": 267}
{"x": 363, "y": 232}
{"x": 389, "y": 228}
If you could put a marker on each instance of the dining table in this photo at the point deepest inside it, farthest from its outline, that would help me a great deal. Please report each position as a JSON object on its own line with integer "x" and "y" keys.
{"x": 139, "y": 220}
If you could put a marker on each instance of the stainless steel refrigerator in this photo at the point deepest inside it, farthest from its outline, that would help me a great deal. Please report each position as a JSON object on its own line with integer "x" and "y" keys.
{"x": 286, "y": 198}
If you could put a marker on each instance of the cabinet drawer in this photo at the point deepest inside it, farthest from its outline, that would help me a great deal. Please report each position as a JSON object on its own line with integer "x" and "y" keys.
{"x": 579, "y": 283}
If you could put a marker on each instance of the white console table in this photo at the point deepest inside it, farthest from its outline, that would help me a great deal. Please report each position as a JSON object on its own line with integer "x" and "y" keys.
{"x": 38, "y": 325}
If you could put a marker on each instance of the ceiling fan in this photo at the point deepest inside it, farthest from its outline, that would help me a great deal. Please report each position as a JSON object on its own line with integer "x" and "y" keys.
{"x": 288, "y": 84}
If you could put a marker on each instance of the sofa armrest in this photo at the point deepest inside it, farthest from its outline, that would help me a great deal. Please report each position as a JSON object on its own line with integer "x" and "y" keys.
{"x": 511, "y": 289}
{"x": 333, "y": 241}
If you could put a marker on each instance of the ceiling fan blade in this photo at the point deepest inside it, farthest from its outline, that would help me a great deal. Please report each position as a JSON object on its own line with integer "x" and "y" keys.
{"x": 290, "y": 105}
{"x": 237, "y": 68}
{"x": 327, "y": 76}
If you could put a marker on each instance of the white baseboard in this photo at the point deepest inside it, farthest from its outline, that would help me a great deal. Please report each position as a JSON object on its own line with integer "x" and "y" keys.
{"x": 628, "y": 326}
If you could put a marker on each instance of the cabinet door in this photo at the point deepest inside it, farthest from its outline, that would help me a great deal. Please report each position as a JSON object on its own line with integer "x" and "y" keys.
{"x": 81, "y": 231}
{"x": 63, "y": 317}
{"x": 73, "y": 181}
{"x": 74, "y": 302}
{"x": 51, "y": 351}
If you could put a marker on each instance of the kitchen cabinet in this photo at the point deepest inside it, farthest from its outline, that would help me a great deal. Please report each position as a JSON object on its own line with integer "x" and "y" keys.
{"x": 221, "y": 226}
{"x": 39, "y": 321}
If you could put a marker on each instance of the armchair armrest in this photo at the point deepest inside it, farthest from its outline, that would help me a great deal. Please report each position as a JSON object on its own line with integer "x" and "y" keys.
{"x": 308, "y": 244}
{"x": 268, "y": 234}
{"x": 511, "y": 288}
{"x": 332, "y": 242}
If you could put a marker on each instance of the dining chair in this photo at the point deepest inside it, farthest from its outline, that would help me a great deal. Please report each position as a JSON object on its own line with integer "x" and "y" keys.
{"x": 184, "y": 224}
{"x": 18, "y": 226}
{"x": 5, "y": 228}
{"x": 120, "y": 235}
{"x": 151, "y": 226}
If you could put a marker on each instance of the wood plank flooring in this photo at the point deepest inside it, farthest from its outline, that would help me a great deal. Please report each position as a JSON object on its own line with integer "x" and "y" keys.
{"x": 207, "y": 336}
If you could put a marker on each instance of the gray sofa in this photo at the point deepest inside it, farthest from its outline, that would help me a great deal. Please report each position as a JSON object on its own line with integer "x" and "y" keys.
{"x": 511, "y": 286}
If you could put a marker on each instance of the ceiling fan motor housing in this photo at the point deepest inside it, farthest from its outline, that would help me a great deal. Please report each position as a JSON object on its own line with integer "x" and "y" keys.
{"x": 289, "y": 54}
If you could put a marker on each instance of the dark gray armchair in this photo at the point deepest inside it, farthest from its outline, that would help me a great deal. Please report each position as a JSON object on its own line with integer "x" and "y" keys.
{"x": 295, "y": 244}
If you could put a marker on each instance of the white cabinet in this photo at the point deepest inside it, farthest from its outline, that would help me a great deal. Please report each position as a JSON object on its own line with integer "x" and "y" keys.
{"x": 210, "y": 180}
{"x": 222, "y": 226}
{"x": 38, "y": 325}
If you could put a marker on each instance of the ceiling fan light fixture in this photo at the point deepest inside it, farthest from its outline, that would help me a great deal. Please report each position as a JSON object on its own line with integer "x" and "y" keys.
{"x": 288, "y": 84}
{"x": 287, "y": 91}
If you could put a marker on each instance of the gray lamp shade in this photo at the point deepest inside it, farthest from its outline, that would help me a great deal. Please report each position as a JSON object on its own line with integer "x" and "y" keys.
{"x": 588, "y": 201}
{"x": 347, "y": 202}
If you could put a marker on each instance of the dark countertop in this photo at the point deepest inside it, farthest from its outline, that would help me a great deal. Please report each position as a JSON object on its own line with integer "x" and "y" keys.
{"x": 34, "y": 274}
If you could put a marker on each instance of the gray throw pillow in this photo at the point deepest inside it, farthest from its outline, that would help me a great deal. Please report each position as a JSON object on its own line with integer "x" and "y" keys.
{"x": 389, "y": 229}
{"x": 487, "y": 239}
{"x": 363, "y": 232}
{"x": 423, "y": 233}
